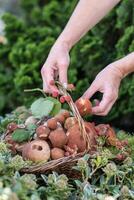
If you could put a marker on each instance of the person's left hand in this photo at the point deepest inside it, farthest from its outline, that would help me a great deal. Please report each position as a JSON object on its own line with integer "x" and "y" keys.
{"x": 106, "y": 82}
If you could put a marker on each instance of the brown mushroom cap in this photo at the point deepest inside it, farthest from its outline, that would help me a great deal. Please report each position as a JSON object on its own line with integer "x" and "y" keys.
{"x": 105, "y": 129}
{"x": 75, "y": 139}
{"x": 71, "y": 121}
{"x": 42, "y": 132}
{"x": 58, "y": 138}
{"x": 57, "y": 153}
{"x": 90, "y": 129}
{"x": 84, "y": 106}
{"x": 36, "y": 151}
{"x": 60, "y": 118}
{"x": 52, "y": 123}
{"x": 12, "y": 144}
{"x": 12, "y": 127}
{"x": 66, "y": 113}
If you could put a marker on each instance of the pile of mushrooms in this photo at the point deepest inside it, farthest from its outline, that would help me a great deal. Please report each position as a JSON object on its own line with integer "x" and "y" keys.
{"x": 60, "y": 136}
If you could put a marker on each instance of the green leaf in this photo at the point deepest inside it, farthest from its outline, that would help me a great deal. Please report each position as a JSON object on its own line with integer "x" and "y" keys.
{"x": 57, "y": 106}
{"x": 86, "y": 157}
{"x": 42, "y": 107}
{"x": 21, "y": 135}
{"x": 78, "y": 183}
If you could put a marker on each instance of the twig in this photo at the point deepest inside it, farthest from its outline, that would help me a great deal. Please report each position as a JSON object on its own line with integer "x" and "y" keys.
{"x": 36, "y": 90}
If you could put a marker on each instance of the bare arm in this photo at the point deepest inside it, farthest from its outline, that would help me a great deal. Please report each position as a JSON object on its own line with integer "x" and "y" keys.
{"x": 108, "y": 82}
{"x": 86, "y": 15}
{"x": 125, "y": 65}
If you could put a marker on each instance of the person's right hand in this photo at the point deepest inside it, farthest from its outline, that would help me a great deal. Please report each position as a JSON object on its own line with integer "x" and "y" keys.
{"x": 55, "y": 66}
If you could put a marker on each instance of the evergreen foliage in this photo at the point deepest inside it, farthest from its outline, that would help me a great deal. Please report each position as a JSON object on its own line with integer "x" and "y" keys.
{"x": 30, "y": 38}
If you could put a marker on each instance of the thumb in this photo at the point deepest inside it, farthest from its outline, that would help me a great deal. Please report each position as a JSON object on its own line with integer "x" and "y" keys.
{"x": 90, "y": 91}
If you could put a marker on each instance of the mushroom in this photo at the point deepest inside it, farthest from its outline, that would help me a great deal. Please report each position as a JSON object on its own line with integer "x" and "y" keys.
{"x": 12, "y": 144}
{"x": 75, "y": 138}
{"x": 58, "y": 138}
{"x": 106, "y": 130}
{"x": 60, "y": 118}
{"x": 52, "y": 123}
{"x": 84, "y": 106}
{"x": 36, "y": 151}
{"x": 71, "y": 121}
{"x": 42, "y": 132}
{"x": 66, "y": 113}
{"x": 11, "y": 127}
{"x": 57, "y": 153}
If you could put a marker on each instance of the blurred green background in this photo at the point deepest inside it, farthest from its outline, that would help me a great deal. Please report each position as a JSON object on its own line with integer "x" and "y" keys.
{"x": 31, "y": 27}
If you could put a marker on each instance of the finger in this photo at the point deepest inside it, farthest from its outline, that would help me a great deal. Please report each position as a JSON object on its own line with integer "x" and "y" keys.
{"x": 48, "y": 78}
{"x": 108, "y": 100}
{"x": 63, "y": 72}
{"x": 106, "y": 111}
{"x": 90, "y": 91}
{"x": 50, "y": 81}
{"x": 45, "y": 86}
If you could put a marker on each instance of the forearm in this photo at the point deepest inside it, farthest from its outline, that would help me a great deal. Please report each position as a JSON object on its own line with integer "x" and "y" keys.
{"x": 85, "y": 16}
{"x": 125, "y": 65}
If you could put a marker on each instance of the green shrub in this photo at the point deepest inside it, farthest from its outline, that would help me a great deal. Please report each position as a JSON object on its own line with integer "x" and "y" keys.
{"x": 31, "y": 37}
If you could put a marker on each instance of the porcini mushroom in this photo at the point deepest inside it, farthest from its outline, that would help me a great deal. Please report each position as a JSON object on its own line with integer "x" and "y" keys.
{"x": 84, "y": 106}
{"x": 36, "y": 151}
{"x": 52, "y": 123}
{"x": 57, "y": 153}
{"x": 58, "y": 138}
{"x": 70, "y": 121}
{"x": 42, "y": 132}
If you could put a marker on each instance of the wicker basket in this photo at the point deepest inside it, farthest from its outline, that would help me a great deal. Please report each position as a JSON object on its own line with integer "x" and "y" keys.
{"x": 64, "y": 165}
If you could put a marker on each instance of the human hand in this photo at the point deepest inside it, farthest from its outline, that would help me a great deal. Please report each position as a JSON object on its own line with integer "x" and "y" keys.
{"x": 106, "y": 82}
{"x": 55, "y": 66}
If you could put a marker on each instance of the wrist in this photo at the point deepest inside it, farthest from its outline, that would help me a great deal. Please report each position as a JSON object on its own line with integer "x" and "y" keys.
{"x": 125, "y": 65}
{"x": 117, "y": 70}
{"x": 63, "y": 40}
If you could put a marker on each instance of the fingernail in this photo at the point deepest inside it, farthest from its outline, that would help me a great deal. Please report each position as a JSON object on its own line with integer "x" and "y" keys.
{"x": 62, "y": 99}
{"x": 55, "y": 94}
{"x": 67, "y": 98}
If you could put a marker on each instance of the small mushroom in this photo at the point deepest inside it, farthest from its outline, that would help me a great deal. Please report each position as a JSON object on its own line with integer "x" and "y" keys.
{"x": 11, "y": 127}
{"x": 106, "y": 130}
{"x": 52, "y": 123}
{"x": 57, "y": 153}
{"x": 58, "y": 138}
{"x": 60, "y": 118}
{"x": 71, "y": 121}
{"x": 12, "y": 144}
{"x": 84, "y": 106}
{"x": 42, "y": 132}
{"x": 66, "y": 113}
{"x": 36, "y": 151}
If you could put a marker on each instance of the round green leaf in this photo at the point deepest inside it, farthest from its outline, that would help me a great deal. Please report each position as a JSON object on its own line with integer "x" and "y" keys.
{"x": 42, "y": 107}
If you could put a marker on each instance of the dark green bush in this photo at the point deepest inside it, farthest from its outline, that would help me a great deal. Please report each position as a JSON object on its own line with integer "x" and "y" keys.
{"x": 31, "y": 37}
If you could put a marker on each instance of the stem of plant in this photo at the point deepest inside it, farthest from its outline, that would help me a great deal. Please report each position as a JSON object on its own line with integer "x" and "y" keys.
{"x": 36, "y": 90}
